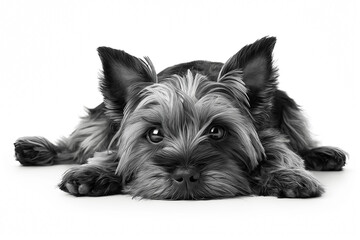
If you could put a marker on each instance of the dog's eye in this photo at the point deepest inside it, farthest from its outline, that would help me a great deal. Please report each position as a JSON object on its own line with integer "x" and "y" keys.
{"x": 155, "y": 135}
{"x": 217, "y": 132}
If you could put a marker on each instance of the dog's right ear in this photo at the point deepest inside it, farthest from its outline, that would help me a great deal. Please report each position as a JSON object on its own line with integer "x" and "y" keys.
{"x": 122, "y": 75}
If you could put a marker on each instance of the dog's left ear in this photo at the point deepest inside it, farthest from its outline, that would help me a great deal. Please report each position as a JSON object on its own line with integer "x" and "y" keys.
{"x": 255, "y": 62}
{"x": 253, "y": 65}
{"x": 123, "y": 76}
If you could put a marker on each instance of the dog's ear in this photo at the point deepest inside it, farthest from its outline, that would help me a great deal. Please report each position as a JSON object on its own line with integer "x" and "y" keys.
{"x": 255, "y": 62}
{"x": 121, "y": 74}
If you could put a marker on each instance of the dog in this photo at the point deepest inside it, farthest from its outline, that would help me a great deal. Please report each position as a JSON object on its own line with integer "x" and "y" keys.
{"x": 196, "y": 130}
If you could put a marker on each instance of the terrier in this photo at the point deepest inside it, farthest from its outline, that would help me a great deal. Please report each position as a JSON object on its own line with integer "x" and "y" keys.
{"x": 197, "y": 130}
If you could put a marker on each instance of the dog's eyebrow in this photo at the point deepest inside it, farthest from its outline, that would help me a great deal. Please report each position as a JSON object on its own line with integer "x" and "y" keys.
{"x": 151, "y": 121}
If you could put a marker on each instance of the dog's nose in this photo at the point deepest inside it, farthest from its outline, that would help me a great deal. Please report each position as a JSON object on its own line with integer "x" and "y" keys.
{"x": 189, "y": 176}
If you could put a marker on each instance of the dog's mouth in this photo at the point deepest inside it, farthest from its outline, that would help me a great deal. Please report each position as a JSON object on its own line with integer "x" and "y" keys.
{"x": 189, "y": 185}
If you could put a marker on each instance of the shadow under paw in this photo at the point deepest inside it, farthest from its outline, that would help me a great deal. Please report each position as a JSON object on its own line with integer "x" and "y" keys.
{"x": 90, "y": 181}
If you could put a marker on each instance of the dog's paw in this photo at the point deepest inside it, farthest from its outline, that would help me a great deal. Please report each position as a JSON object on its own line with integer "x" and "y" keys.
{"x": 89, "y": 180}
{"x": 324, "y": 159}
{"x": 292, "y": 183}
{"x": 304, "y": 189}
{"x": 34, "y": 151}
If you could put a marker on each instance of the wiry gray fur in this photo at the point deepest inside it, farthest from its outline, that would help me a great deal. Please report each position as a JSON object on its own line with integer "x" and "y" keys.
{"x": 261, "y": 139}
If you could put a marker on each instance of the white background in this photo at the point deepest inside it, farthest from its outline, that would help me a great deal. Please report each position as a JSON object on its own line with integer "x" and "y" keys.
{"x": 48, "y": 72}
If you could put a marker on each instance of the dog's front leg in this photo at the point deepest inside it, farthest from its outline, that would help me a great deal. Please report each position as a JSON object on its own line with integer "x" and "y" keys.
{"x": 282, "y": 173}
{"x": 97, "y": 178}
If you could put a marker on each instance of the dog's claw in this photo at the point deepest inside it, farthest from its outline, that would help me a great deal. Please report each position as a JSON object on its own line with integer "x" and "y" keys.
{"x": 84, "y": 189}
{"x": 76, "y": 189}
{"x": 71, "y": 189}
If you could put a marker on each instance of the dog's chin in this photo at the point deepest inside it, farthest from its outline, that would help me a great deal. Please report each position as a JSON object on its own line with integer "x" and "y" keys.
{"x": 154, "y": 183}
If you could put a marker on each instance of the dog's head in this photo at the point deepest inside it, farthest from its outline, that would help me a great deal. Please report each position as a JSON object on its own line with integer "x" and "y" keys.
{"x": 185, "y": 136}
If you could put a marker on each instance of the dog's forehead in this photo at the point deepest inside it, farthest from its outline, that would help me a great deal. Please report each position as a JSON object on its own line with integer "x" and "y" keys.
{"x": 187, "y": 100}
{"x": 188, "y": 91}
{"x": 189, "y": 84}
{"x": 186, "y": 86}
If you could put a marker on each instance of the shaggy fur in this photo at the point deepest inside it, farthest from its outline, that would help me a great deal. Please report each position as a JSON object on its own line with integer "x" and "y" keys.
{"x": 197, "y": 130}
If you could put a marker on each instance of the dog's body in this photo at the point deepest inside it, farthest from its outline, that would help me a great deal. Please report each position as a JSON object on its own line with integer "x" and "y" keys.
{"x": 196, "y": 130}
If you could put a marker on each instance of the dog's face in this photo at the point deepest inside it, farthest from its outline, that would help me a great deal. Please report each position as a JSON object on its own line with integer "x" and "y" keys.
{"x": 188, "y": 138}
{"x": 183, "y": 136}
